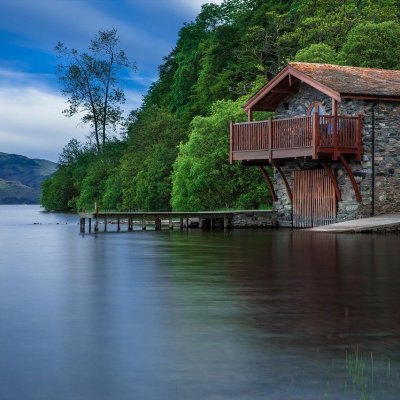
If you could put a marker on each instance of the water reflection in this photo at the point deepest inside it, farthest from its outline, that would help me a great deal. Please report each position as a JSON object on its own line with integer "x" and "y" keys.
{"x": 299, "y": 302}
{"x": 197, "y": 315}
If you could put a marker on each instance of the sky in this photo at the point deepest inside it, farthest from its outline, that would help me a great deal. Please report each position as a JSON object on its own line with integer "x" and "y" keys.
{"x": 31, "y": 104}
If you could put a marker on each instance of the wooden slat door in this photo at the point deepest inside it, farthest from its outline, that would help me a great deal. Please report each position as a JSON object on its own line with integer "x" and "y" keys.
{"x": 314, "y": 200}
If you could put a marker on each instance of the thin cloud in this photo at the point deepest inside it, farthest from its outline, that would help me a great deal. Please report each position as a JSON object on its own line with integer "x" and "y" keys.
{"x": 74, "y": 22}
{"x": 134, "y": 100}
{"x": 32, "y": 122}
{"x": 192, "y": 5}
{"x": 140, "y": 80}
{"x": 195, "y": 5}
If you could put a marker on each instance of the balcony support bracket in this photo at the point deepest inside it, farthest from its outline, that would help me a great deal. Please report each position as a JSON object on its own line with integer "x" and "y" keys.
{"x": 351, "y": 176}
{"x": 285, "y": 181}
{"x": 269, "y": 182}
{"x": 331, "y": 175}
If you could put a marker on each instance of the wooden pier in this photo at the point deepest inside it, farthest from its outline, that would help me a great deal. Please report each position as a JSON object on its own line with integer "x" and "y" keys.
{"x": 183, "y": 220}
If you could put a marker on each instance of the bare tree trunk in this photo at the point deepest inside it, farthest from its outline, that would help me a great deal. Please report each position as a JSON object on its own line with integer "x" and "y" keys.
{"x": 106, "y": 98}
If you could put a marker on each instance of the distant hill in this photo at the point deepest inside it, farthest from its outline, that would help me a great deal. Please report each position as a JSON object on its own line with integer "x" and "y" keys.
{"x": 21, "y": 178}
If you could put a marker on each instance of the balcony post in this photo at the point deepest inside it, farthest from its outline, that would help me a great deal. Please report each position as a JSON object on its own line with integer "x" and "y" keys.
{"x": 335, "y": 139}
{"x": 315, "y": 134}
{"x": 270, "y": 144}
{"x": 231, "y": 142}
{"x": 250, "y": 115}
{"x": 359, "y": 137}
{"x": 334, "y": 107}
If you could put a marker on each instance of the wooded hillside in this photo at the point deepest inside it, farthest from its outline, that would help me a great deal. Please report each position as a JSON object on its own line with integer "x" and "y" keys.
{"x": 21, "y": 178}
{"x": 175, "y": 154}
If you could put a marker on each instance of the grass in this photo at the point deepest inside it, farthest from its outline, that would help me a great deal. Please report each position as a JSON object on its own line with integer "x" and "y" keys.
{"x": 367, "y": 377}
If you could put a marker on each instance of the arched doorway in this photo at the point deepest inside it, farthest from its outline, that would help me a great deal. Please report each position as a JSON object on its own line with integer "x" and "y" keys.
{"x": 314, "y": 199}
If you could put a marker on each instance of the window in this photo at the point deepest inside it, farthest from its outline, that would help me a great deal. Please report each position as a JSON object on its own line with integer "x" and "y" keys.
{"x": 314, "y": 106}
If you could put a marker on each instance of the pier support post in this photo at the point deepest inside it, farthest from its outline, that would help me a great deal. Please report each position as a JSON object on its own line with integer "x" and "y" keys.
{"x": 157, "y": 224}
{"x": 90, "y": 225}
{"x": 226, "y": 222}
{"x": 181, "y": 224}
{"x": 96, "y": 213}
{"x": 187, "y": 223}
{"x": 82, "y": 225}
{"x": 143, "y": 224}
{"x": 105, "y": 224}
{"x": 171, "y": 223}
{"x": 212, "y": 223}
{"x": 118, "y": 225}
{"x": 130, "y": 225}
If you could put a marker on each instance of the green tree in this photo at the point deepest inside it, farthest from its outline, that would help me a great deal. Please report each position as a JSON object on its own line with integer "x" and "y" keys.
{"x": 70, "y": 153}
{"x": 374, "y": 45}
{"x": 145, "y": 168}
{"x": 317, "y": 53}
{"x": 202, "y": 178}
{"x": 227, "y": 51}
{"x": 90, "y": 82}
{"x": 58, "y": 190}
{"x": 153, "y": 181}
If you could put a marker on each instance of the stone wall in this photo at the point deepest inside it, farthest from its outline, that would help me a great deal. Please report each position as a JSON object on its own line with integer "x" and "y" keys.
{"x": 258, "y": 219}
{"x": 387, "y": 157}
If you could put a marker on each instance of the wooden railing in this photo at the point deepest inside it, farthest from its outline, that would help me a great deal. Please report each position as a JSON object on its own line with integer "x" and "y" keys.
{"x": 318, "y": 133}
{"x": 291, "y": 133}
{"x": 251, "y": 136}
{"x": 345, "y": 129}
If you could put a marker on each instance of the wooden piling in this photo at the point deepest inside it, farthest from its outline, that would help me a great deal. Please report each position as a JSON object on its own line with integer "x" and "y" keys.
{"x": 226, "y": 223}
{"x": 82, "y": 225}
{"x": 157, "y": 224}
{"x": 207, "y": 219}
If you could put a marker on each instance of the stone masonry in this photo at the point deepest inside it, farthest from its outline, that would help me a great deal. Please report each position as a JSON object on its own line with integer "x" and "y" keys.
{"x": 387, "y": 156}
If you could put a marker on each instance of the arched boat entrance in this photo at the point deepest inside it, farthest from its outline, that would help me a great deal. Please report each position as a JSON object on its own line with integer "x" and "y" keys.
{"x": 314, "y": 199}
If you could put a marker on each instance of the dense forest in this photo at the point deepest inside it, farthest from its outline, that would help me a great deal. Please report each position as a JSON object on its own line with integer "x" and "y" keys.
{"x": 174, "y": 154}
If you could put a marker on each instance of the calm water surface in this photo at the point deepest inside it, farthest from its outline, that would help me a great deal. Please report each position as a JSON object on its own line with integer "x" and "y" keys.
{"x": 195, "y": 315}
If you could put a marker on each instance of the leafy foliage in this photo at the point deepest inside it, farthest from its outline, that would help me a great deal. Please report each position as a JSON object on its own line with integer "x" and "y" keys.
{"x": 374, "y": 45}
{"x": 90, "y": 82}
{"x": 58, "y": 190}
{"x": 203, "y": 178}
{"x": 176, "y": 150}
{"x": 317, "y": 53}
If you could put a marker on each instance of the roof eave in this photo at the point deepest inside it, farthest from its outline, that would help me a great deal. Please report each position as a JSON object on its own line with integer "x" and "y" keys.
{"x": 289, "y": 70}
{"x": 360, "y": 96}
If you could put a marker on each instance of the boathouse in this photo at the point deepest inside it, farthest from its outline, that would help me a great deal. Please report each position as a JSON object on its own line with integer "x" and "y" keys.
{"x": 334, "y": 142}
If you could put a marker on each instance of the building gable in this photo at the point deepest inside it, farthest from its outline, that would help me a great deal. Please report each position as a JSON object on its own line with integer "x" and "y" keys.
{"x": 335, "y": 81}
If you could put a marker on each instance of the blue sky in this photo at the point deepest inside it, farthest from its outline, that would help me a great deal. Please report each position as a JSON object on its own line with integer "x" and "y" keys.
{"x": 31, "y": 122}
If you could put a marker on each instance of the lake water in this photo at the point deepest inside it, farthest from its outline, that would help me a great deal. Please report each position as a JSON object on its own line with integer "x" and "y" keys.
{"x": 195, "y": 315}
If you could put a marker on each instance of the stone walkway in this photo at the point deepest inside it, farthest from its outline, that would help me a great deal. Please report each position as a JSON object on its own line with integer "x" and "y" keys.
{"x": 387, "y": 222}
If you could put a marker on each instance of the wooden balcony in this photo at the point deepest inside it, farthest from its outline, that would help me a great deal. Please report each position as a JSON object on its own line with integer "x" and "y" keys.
{"x": 317, "y": 136}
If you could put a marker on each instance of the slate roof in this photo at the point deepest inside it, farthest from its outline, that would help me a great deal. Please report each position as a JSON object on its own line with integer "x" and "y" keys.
{"x": 335, "y": 81}
{"x": 353, "y": 80}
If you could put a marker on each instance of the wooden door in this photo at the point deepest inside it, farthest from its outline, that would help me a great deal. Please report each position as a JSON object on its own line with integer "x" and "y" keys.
{"x": 314, "y": 200}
